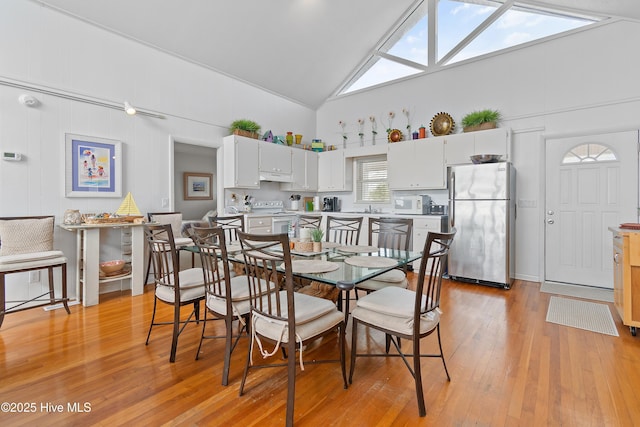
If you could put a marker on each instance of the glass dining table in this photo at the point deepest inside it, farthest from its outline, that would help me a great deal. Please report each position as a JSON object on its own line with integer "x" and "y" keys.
{"x": 347, "y": 265}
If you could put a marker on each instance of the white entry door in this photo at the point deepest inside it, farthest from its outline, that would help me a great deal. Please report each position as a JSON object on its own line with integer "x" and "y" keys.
{"x": 591, "y": 184}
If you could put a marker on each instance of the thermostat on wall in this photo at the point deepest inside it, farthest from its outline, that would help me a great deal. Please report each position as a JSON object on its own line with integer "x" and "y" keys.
{"x": 11, "y": 156}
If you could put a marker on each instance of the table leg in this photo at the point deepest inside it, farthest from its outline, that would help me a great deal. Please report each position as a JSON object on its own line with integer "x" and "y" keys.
{"x": 137, "y": 261}
{"x": 91, "y": 268}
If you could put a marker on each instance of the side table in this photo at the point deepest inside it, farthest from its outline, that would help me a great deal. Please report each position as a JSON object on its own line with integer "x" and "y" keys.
{"x": 88, "y": 255}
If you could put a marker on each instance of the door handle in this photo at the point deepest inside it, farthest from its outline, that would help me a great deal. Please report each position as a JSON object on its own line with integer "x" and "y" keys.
{"x": 550, "y": 212}
{"x": 550, "y": 221}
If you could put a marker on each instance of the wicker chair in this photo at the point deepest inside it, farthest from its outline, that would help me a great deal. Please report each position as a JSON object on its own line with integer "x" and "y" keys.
{"x": 26, "y": 244}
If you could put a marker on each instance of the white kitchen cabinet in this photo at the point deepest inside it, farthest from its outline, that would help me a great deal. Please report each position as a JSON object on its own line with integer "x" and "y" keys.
{"x": 460, "y": 147}
{"x": 417, "y": 164}
{"x": 275, "y": 161}
{"x": 421, "y": 227}
{"x": 304, "y": 171}
{"x": 334, "y": 171}
{"x": 241, "y": 162}
{"x": 259, "y": 224}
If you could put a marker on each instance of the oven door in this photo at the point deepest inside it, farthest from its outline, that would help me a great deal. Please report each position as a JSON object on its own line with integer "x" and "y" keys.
{"x": 282, "y": 224}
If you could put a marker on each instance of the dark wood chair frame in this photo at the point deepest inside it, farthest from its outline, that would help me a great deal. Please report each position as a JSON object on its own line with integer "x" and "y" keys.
{"x": 51, "y": 292}
{"x": 345, "y": 230}
{"x": 164, "y": 258}
{"x": 436, "y": 251}
{"x": 261, "y": 264}
{"x": 211, "y": 243}
{"x": 230, "y": 224}
{"x": 309, "y": 221}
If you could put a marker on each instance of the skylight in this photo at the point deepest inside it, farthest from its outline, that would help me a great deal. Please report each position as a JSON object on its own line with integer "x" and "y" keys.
{"x": 466, "y": 29}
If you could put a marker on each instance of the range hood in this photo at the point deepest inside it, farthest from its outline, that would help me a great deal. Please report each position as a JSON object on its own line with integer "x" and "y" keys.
{"x": 275, "y": 177}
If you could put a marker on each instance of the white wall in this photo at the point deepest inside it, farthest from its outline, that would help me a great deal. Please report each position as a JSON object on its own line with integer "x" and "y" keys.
{"x": 43, "y": 48}
{"x": 582, "y": 83}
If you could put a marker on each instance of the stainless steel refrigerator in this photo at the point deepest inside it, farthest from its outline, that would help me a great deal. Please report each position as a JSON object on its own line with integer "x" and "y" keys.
{"x": 482, "y": 209}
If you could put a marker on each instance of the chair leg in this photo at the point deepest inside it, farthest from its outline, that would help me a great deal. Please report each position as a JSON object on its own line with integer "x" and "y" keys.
{"x": 341, "y": 343}
{"x": 417, "y": 374}
{"x": 65, "y": 298}
{"x": 246, "y": 366}
{"x": 291, "y": 383}
{"x": 153, "y": 318}
{"x": 387, "y": 343}
{"x": 176, "y": 332}
{"x": 354, "y": 340}
{"x": 442, "y": 354}
{"x": 204, "y": 327}
{"x": 2, "y": 300}
{"x": 52, "y": 291}
{"x": 228, "y": 342}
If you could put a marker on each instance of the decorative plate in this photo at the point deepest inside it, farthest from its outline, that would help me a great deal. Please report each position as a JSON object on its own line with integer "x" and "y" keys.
{"x": 395, "y": 135}
{"x": 442, "y": 124}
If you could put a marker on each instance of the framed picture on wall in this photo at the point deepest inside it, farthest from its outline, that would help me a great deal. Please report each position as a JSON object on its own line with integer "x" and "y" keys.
{"x": 93, "y": 166}
{"x": 197, "y": 186}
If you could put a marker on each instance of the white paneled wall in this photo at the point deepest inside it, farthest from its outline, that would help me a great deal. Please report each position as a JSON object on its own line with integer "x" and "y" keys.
{"x": 585, "y": 82}
{"x": 46, "y": 49}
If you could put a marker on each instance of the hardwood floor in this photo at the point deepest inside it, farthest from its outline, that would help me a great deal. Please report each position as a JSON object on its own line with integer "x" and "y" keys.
{"x": 508, "y": 367}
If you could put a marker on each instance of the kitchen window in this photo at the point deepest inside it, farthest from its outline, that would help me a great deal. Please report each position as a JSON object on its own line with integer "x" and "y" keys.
{"x": 371, "y": 180}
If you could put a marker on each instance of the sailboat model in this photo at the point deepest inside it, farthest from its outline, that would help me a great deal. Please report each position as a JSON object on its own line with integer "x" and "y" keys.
{"x": 128, "y": 209}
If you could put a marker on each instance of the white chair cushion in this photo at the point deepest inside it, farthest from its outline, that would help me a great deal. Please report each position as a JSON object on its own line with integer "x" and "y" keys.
{"x": 175, "y": 220}
{"x": 191, "y": 286}
{"x": 239, "y": 296}
{"x": 19, "y": 236}
{"x": 313, "y": 316}
{"x": 392, "y": 308}
{"x": 182, "y": 241}
{"x": 31, "y": 260}
{"x": 390, "y": 278}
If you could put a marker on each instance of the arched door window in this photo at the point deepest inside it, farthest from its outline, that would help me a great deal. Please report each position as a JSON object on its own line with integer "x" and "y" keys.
{"x": 589, "y": 153}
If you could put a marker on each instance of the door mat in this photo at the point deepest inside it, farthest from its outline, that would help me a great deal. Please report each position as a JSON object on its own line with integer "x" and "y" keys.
{"x": 589, "y": 316}
{"x": 586, "y": 292}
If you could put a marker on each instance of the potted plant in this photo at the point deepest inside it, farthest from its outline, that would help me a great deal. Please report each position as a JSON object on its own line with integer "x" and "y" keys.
{"x": 244, "y": 127}
{"x": 480, "y": 120}
{"x": 316, "y": 238}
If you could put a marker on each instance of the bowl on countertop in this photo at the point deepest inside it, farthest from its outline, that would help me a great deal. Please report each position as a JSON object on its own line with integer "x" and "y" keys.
{"x": 110, "y": 267}
{"x": 485, "y": 158}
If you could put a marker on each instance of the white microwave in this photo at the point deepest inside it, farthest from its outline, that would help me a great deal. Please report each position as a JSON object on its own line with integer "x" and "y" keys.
{"x": 414, "y": 205}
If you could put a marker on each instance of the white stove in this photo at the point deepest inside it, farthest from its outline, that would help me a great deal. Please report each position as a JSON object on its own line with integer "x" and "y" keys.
{"x": 268, "y": 207}
{"x": 281, "y": 220}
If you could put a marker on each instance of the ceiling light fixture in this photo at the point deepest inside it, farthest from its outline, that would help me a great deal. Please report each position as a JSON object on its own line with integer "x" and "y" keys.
{"x": 128, "y": 108}
{"x": 28, "y": 100}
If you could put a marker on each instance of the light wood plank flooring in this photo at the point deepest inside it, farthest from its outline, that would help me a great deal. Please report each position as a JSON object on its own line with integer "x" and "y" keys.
{"x": 508, "y": 367}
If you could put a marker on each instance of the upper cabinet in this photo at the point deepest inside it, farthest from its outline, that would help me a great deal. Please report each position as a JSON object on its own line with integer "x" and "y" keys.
{"x": 416, "y": 164}
{"x": 459, "y": 148}
{"x": 304, "y": 171}
{"x": 241, "y": 162}
{"x": 334, "y": 171}
{"x": 275, "y": 162}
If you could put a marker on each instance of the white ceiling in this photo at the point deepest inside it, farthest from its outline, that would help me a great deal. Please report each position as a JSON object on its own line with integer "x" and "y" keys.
{"x": 303, "y": 50}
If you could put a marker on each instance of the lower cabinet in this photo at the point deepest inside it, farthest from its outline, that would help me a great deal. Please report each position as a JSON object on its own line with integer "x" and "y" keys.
{"x": 421, "y": 227}
{"x": 626, "y": 276}
{"x": 258, "y": 224}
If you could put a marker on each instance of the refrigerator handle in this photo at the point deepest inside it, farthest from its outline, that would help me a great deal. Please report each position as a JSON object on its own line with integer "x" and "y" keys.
{"x": 452, "y": 208}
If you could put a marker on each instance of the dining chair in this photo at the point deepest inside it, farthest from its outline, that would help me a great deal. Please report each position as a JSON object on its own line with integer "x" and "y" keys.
{"x": 172, "y": 286}
{"x": 394, "y": 234}
{"x": 175, "y": 220}
{"x": 407, "y": 314}
{"x": 226, "y": 296}
{"x": 26, "y": 244}
{"x": 345, "y": 230}
{"x": 286, "y": 319}
{"x": 309, "y": 221}
{"x": 230, "y": 224}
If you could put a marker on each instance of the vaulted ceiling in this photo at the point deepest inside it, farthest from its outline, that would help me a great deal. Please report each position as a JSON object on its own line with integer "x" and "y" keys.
{"x": 303, "y": 50}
